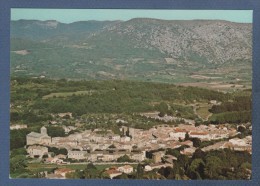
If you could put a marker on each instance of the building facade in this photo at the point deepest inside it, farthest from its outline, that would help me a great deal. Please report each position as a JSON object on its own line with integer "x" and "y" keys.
{"x": 38, "y": 138}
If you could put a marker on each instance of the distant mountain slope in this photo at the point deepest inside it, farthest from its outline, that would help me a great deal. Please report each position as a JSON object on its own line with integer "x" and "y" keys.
{"x": 51, "y": 30}
{"x": 197, "y": 40}
{"x": 210, "y": 41}
{"x": 141, "y": 49}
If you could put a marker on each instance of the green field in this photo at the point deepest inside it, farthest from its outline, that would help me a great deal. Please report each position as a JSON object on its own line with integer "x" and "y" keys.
{"x": 203, "y": 111}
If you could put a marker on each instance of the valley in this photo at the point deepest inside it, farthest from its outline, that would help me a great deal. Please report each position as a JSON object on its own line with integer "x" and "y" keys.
{"x": 137, "y": 99}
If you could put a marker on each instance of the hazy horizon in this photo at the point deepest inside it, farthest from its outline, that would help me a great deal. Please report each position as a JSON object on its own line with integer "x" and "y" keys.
{"x": 75, "y": 15}
{"x": 131, "y": 19}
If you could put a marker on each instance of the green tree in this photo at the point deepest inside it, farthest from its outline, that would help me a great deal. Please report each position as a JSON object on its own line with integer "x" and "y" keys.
{"x": 196, "y": 142}
{"x": 91, "y": 171}
{"x": 122, "y": 176}
{"x": 183, "y": 161}
{"x": 19, "y": 151}
{"x": 112, "y": 146}
{"x": 56, "y": 131}
{"x": 198, "y": 122}
{"x": 17, "y": 163}
{"x": 162, "y": 108}
{"x": 18, "y": 138}
{"x": 187, "y": 136}
{"x": 213, "y": 167}
{"x": 198, "y": 154}
{"x": 173, "y": 152}
{"x": 91, "y": 166}
{"x": 127, "y": 133}
{"x": 241, "y": 129}
{"x": 196, "y": 169}
{"x": 75, "y": 175}
{"x": 139, "y": 171}
{"x": 124, "y": 158}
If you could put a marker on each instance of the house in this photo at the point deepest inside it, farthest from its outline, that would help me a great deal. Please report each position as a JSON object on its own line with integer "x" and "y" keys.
{"x": 67, "y": 129}
{"x": 188, "y": 143}
{"x": 126, "y": 169}
{"x": 238, "y": 142}
{"x": 17, "y": 127}
{"x": 157, "y": 166}
{"x": 54, "y": 176}
{"x": 50, "y": 160}
{"x": 137, "y": 156}
{"x": 113, "y": 173}
{"x": 121, "y": 121}
{"x": 200, "y": 135}
{"x": 125, "y": 139}
{"x": 77, "y": 155}
{"x": 35, "y": 150}
{"x": 188, "y": 151}
{"x": 61, "y": 156}
{"x": 76, "y": 136}
{"x": 54, "y": 160}
{"x": 218, "y": 145}
{"x": 38, "y": 138}
{"x": 244, "y": 144}
{"x": 214, "y": 102}
{"x": 63, "y": 171}
{"x": 178, "y": 133}
{"x": 157, "y": 156}
{"x": 53, "y": 122}
{"x": 65, "y": 114}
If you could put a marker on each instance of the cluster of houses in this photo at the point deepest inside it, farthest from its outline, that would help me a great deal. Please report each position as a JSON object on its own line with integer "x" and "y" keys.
{"x": 117, "y": 171}
{"x": 61, "y": 173}
{"x": 236, "y": 144}
{"x": 97, "y": 146}
{"x": 94, "y": 146}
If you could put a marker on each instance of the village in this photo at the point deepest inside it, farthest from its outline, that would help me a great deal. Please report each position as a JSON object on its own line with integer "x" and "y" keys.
{"x": 132, "y": 146}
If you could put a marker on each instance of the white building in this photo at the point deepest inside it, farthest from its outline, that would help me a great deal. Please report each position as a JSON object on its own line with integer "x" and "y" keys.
{"x": 67, "y": 129}
{"x": 77, "y": 154}
{"x": 157, "y": 166}
{"x": 125, "y": 139}
{"x": 37, "y": 151}
{"x": 17, "y": 127}
{"x": 38, "y": 138}
{"x": 138, "y": 156}
{"x": 200, "y": 135}
{"x": 178, "y": 133}
{"x": 188, "y": 151}
{"x": 237, "y": 141}
{"x": 126, "y": 169}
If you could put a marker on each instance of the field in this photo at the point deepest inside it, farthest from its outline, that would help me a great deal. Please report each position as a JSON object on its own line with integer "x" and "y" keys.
{"x": 203, "y": 111}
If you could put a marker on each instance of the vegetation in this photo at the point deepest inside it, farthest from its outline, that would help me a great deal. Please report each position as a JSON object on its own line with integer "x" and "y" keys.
{"x": 237, "y": 110}
{"x": 124, "y": 158}
{"x": 114, "y": 99}
{"x": 215, "y": 165}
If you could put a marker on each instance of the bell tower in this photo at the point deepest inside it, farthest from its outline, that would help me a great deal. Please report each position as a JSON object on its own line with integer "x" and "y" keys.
{"x": 44, "y": 130}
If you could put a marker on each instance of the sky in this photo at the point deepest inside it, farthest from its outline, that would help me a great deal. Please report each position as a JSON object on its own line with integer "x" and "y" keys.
{"x": 73, "y": 15}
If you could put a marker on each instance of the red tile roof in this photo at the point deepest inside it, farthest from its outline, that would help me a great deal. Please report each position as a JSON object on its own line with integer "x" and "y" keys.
{"x": 179, "y": 130}
{"x": 198, "y": 133}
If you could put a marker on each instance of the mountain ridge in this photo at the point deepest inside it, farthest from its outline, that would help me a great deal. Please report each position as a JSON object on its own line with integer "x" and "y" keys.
{"x": 140, "y": 48}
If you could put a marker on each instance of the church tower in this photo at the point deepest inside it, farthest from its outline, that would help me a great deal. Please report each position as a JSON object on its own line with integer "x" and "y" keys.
{"x": 44, "y": 130}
